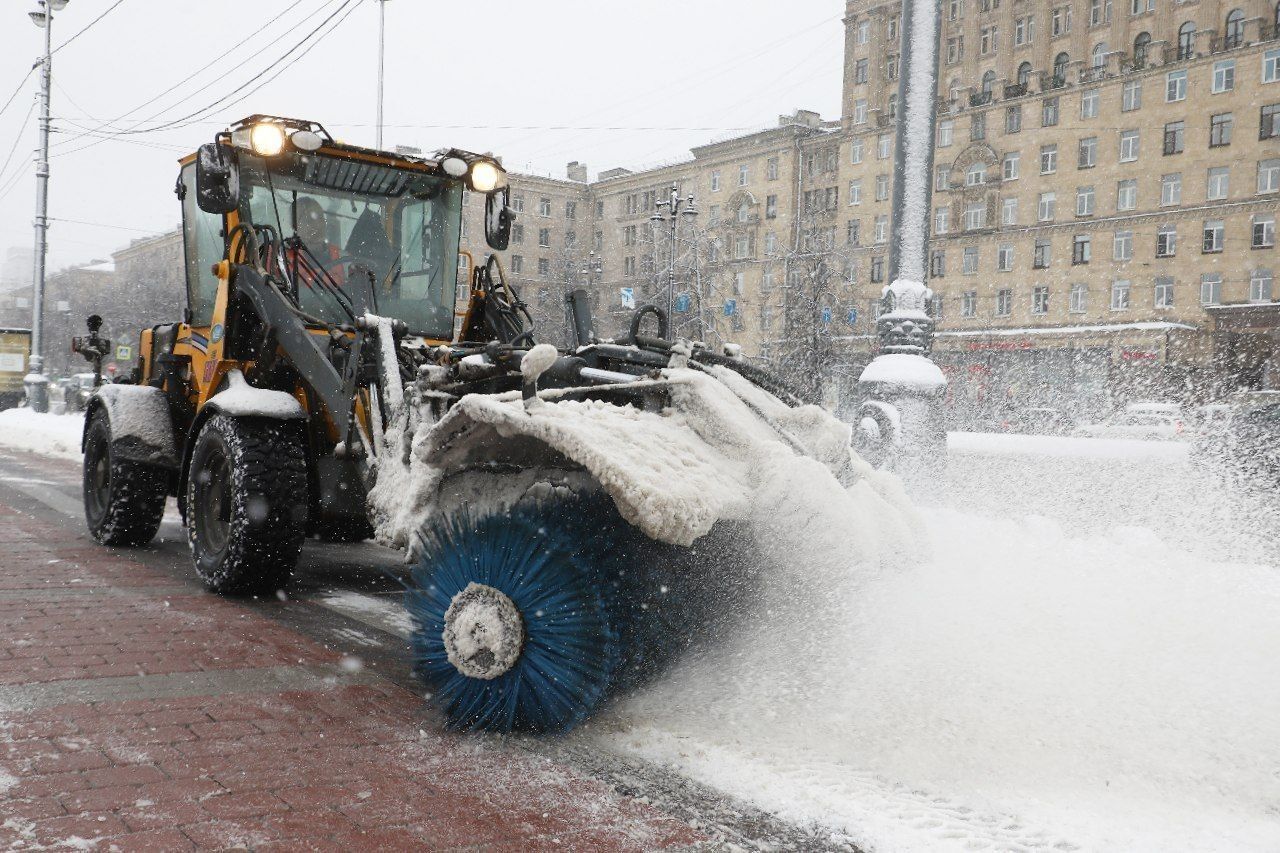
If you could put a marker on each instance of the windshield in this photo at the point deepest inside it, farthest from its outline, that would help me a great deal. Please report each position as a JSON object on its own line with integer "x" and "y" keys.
{"x": 365, "y": 225}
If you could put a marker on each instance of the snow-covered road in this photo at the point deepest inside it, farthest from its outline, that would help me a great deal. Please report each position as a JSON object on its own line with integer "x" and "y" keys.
{"x": 1087, "y": 660}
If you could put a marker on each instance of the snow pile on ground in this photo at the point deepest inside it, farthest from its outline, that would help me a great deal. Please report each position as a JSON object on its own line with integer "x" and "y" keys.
{"x": 1035, "y": 684}
{"x": 48, "y": 434}
{"x": 1059, "y": 445}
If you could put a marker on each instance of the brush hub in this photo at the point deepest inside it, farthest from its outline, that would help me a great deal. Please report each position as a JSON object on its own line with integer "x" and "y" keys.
{"x": 483, "y": 632}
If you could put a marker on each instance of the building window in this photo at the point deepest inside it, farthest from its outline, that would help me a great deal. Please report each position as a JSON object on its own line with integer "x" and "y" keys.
{"x": 855, "y": 193}
{"x": 1048, "y": 159}
{"x": 771, "y": 169}
{"x": 955, "y": 10}
{"x": 1186, "y": 40}
{"x": 969, "y": 264}
{"x": 770, "y": 243}
{"x": 978, "y": 127}
{"x": 855, "y": 150}
{"x": 1060, "y": 21}
{"x": 1131, "y": 96}
{"x": 1082, "y": 249}
{"x": 882, "y": 187}
{"x": 851, "y": 232}
{"x": 1260, "y": 283}
{"x": 1048, "y": 204}
{"x": 517, "y": 233}
{"x": 544, "y": 237}
{"x": 1099, "y": 12}
{"x": 1166, "y": 241}
{"x": 1174, "y": 137}
{"x": 884, "y": 147}
{"x": 517, "y": 203}
{"x": 1023, "y": 31}
{"x": 955, "y": 49}
{"x": 1013, "y": 119}
{"x": 938, "y": 263}
{"x": 1049, "y": 112}
{"x": 1004, "y": 302}
{"x": 1224, "y": 76}
{"x": 969, "y": 303}
{"x": 1269, "y": 176}
{"x": 1233, "y": 33}
{"x": 1040, "y": 259}
{"x": 741, "y": 247}
{"x": 517, "y": 264}
{"x": 1079, "y": 298}
{"x": 1120, "y": 295}
{"x": 544, "y": 267}
{"x": 1175, "y": 86}
{"x": 1088, "y": 154}
{"x": 882, "y": 229}
{"x": 771, "y": 207}
{"x": 976, "y": 175}
{"x": 863, "y": 32}
{"x": 1024, "y": 76}
{"x": 744, "y": 173}
{"x": 1218, "y": 185}
{"x": 1089, "y": 99}
{"x": 1171, "y": 189}
{"x": 860, "y": 112}
{"x": 1126, "y": 194}
{"x": 975, "y": 215}
{"x": 1220, "y": 130}
{"x": 1009, "y": 211}
{"x": 544, "y": 207}
{"x": 1269, "y": 122}
{"x": 1122, "y": 246}
{"x": 988, "y": 40}
{"x": 941, "y": 178}
{"x": 1271, "y": 64}
{"x": 1060, "y": 63}
{"x": 1129, "y": 143}
{"x": 1213, "y": 236}
{"x": 1009, "y": 166}
{"x": 1264, "y": 231}
{"x": 877, "y": 269}
{"x": 941, "y": 220}
{"x": 1040, "y": 300}
{"x": 860, "y": 71}
{"x": 1084, "y": 201}
{"x": 891, "y": 67}
{"x": 946, "y": 132}
{"x": 1210, "y": 288}
{"x": 1004, "y": 258}
{"x": 1164, "y": 292}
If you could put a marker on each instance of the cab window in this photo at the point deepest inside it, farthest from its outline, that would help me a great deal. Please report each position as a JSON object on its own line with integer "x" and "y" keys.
{"x": 202, "y": 243}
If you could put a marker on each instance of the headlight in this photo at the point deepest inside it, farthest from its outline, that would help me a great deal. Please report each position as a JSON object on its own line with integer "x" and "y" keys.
{"x": 266, "y": 140}
{"x": 484, "y": 176}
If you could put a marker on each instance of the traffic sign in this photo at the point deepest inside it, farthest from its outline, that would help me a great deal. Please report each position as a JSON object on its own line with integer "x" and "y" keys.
{"x": 124, "y": 353}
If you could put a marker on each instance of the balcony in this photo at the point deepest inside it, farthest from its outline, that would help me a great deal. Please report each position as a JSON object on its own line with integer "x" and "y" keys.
{"x": 1049, "y": 82}
{"x": 884, "y": 120}
{"x": 1015, "y": 90}
{"x": 979, "y": 99}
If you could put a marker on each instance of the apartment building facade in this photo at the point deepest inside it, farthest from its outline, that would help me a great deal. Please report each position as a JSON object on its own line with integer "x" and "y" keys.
{"x": 1106, "y": 192}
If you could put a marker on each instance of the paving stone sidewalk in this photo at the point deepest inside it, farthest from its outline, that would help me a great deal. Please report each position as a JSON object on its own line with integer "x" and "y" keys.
{"x": 140, "y": 715}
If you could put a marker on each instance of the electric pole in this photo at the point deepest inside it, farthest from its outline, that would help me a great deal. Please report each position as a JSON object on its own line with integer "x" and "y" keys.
{"x": 382, "y": 38}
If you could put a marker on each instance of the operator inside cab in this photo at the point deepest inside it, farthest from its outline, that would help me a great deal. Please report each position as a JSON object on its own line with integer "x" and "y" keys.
{"x": 311, "y": 226}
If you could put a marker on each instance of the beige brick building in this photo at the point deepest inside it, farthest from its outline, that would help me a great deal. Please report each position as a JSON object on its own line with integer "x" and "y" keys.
{"x": 1104, "y": 211}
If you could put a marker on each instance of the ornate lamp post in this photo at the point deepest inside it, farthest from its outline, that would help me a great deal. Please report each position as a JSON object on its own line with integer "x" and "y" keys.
{"x": 37, "y": 384}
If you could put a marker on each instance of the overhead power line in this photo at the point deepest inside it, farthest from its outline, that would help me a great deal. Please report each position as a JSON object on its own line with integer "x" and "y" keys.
{"x": 16, "y": 91}
{"x": 88, "y": 26}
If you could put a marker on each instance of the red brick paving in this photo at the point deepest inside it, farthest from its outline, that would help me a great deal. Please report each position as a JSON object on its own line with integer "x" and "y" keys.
{"x": 349, "y": 768}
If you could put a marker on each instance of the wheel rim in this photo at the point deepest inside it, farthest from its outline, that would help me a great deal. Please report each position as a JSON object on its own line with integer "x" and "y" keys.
{"x": 97, "y": 478}
{"x": 213, "y": 502}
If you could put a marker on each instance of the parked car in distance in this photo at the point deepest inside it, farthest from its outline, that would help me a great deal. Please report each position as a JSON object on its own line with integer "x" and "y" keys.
{"x": 1036, "y": 420}
{"x": 1147, "y": 407}
{"x": 1246, "y": 436}
{"x": 1139, "y": 425}
{"x": 77, "y": 391}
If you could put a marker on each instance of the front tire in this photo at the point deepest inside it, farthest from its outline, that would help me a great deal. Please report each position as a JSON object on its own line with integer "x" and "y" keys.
{"x": 123, "y": 499}
{"x": 246, "y": 503}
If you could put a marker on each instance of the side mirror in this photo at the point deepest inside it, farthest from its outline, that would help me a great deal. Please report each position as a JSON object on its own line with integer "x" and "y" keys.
{"x": 217, "y": 182}
{"x": 498, "y": 218}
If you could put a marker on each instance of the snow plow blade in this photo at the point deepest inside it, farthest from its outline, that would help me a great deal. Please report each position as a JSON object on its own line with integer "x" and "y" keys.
{"x": 571, "y": 543}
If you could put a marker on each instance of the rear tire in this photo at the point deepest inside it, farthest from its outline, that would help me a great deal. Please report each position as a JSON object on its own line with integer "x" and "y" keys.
{"x": 246, "y": 503}
{"x": 123, "y": 500}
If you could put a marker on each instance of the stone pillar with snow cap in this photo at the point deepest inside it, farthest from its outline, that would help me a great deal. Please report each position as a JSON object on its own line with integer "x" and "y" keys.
{"x": 900, "y": 417}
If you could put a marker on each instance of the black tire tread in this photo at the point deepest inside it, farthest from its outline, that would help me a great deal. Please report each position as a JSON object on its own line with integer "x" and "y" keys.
{"x": 135, "y": 506}
{"x": 268, "y": 465}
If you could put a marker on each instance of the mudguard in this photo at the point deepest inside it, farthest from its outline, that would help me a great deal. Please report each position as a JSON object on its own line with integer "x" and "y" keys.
{"x": 141, "y": 427}
{"x": 240, "y": 399}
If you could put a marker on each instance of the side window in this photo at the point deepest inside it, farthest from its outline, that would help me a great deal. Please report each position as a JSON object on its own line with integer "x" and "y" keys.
{"x": 202, "y": 242}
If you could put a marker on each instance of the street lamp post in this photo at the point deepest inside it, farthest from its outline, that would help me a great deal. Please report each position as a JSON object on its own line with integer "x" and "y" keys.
{"x": 36, "y": 383}
{"x": 669, "y": 211}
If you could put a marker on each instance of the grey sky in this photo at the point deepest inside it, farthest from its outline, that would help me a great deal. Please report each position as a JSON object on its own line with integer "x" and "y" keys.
{"x": 485, "y": 75}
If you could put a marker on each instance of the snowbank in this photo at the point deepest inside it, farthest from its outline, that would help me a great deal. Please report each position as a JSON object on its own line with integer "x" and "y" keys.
{"x": 48, "y": 434}
{"x": 1002, "y": 444}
